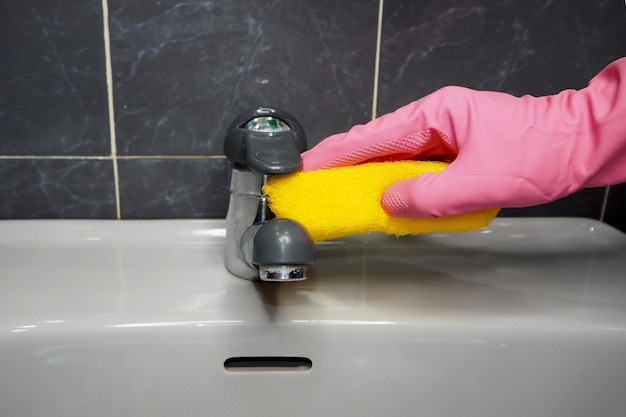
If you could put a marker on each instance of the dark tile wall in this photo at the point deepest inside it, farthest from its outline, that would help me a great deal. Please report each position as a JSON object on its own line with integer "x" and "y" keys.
{"x": 616, "y": 207}
{"x": 53, "y": 97}
{"x": 56, "y": 188}
{"x": 173, "y": 188}
{"x": 181, "y": 71}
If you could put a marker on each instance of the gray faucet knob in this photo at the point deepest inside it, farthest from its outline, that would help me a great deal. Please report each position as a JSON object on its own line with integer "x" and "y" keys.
{"x": 266, "y": 140}
{"x": 282, "y": 242}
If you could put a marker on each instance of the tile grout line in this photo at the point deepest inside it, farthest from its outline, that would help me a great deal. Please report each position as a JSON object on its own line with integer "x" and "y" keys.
{"x": 379, "y": 35}
{"x": 605, "y": 203}
{"x": 171, "y": 157}
{"x": 58, "y": 157}
{"x": 110, "y": 157}
{"x": 109, "y": 82}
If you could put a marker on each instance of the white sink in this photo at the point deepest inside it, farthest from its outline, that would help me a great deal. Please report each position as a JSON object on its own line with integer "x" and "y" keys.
{"x": 138, "y": 318}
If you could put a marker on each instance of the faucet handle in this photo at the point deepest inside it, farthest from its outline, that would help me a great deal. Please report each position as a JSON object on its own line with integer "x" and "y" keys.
{"x": 266, "y": 140}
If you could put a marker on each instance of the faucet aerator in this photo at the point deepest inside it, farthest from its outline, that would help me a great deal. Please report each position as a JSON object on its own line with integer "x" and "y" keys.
{"x": 282, "y": 273}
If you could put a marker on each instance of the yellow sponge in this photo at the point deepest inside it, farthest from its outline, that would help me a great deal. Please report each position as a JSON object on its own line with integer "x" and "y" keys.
{"x": 344, "y": 201}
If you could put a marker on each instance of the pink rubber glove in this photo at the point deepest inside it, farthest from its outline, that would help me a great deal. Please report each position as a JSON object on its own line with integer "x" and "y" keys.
{"x": 506, "y": 151}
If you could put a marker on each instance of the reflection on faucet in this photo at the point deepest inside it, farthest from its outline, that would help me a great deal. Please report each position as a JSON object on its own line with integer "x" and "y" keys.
{"x": 261, "y": 142}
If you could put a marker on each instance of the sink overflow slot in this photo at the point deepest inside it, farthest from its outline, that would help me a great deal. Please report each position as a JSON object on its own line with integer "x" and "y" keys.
{"x": 267, "y": 364}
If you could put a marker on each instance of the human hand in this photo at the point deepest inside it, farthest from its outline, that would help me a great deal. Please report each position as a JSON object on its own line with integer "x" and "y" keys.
{"x": 506, "y": 151}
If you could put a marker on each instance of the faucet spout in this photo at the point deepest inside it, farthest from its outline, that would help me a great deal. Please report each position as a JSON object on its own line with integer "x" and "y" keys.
{"x": 261, "y": 142}
{"x": 282, "y": 249}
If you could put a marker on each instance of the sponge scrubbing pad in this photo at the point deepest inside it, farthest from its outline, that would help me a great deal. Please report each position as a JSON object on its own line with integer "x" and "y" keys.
{"x": 343, "y": 201}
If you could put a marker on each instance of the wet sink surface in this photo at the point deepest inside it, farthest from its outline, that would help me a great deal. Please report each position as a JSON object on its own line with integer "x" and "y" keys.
{"x": 138, "y": 318}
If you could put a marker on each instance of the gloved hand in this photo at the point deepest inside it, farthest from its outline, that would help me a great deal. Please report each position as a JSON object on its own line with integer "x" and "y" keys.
{"x": 506, "y": 151}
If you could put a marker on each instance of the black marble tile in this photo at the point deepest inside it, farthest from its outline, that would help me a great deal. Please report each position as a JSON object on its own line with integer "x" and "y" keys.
{"x": 51, "y": 189}
{"x": 184, "y": 70}
{"x": 585, "y": 203}
{"x": 616, "y": 208}
{"x": 173, "y": 188}
{"x": 53, "y": 97}
{"x": 521, "y": 47}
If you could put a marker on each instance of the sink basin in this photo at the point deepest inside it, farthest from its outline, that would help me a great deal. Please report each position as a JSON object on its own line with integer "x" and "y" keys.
{"x": 139, "y": 318}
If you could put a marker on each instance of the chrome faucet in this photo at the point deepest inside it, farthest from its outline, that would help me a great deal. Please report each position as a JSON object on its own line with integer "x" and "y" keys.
{"x": 261, "y": 142}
